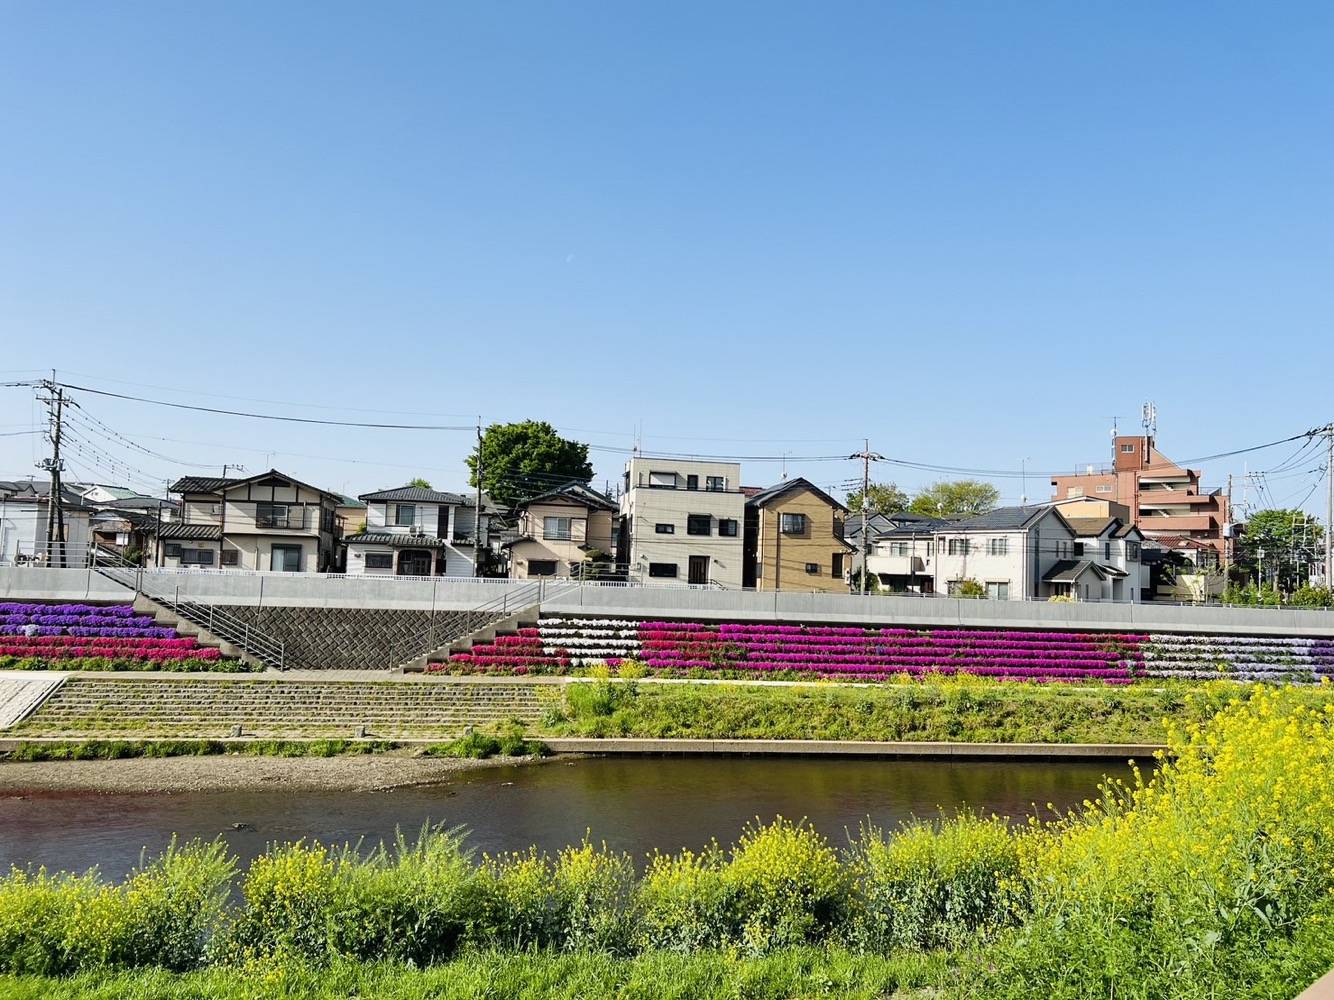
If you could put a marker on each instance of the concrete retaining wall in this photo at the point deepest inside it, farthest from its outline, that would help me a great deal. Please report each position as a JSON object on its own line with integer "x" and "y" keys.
{"x": 312, "y": 590}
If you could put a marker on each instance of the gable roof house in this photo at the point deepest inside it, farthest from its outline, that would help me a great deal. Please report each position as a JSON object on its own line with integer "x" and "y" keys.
{"x": 1015, "y": 553}
{"x": 557, "y": 531}
{"x": 270, "y": 521}
{"x": 794, "y": 539}
{"x": 25, "y": 512}
{"x": 1117, "y": 550}
{"x": 901, "y": 551}
{"x": 415, "y": 531}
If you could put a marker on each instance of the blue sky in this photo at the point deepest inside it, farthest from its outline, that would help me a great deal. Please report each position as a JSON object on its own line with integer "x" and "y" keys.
{"x": 973, "y": 233}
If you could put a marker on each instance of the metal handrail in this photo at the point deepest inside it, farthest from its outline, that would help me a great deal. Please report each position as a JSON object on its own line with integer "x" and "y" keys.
{"x": 424, "y": 643}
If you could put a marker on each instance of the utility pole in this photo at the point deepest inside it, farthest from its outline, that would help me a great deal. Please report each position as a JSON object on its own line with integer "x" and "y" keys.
{"x": 1227, "y": 531}
{"x": 867, "y": 456}
{"x": 1329, "y": 506}
{"x": 477, "y": 509}
{"x": 55, "y": 506}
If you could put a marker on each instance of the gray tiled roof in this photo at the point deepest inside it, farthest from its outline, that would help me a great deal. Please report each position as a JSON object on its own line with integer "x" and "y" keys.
{"x": 396, "y": 540}
{"x": 778, "y": 489}
{"x": 200, "y": 484}
{"x": 1003, "y": 519}
{"x": 1090, "y": 527}
{"x": 577, "y": 492}
{"x": 191, "y": 532}
{"x": 1069, "y": 570}
{"x": 416, "y": 494}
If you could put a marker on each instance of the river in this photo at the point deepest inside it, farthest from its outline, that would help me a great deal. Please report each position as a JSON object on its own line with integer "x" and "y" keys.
{"x": 635, "y": 804}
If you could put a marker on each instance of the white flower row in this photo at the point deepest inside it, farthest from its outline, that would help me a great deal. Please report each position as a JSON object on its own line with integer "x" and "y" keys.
{"x": 1173, "y": 639}
{"x": 586, "y": 622}
{"x": 576, "y": 641}
{"x": 626, "y": 633}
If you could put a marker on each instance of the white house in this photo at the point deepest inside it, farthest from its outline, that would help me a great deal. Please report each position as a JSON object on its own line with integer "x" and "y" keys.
{"x": 901, "y": 553}
{"x": 415, "y": 531}
{"x": 1116, "y": 548}
{"x": 1015, "y": 553}
{"x": 25, "y": 513}
{"x": 681, "y": 521}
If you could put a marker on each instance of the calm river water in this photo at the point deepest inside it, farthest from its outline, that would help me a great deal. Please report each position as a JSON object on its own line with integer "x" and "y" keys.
{"x": 635, "y": 804}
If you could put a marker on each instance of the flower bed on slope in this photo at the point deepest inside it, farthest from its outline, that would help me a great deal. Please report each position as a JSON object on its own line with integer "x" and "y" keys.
{"x": 729, "y": 649}
{"x": 89, "y": 636}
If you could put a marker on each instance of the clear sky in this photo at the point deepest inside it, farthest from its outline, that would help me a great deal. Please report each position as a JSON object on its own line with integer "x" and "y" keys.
{"x": 972, "y": 232}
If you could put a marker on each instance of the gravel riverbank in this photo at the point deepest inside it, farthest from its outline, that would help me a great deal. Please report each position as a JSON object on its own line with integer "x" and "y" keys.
{"x": 230, "y": 772}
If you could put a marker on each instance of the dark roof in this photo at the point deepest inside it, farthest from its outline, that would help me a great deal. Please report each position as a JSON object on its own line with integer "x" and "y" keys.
{"x": 416, "y": 494}
{"x": 1006, "y": 519}
{"x": 201, "y": 484}
{"x": 38, "y": 491}
{"x": 396, "y": 540}
{"x": 134, "y": 503}
{"x": 778, "y": 489}
{"x": 577, "y": 492}
{"x": 1092, "y": 527}
{"x": 345, "y": 501}
{"x": 191, "y": 532}
{"x": 1070, "y": 570}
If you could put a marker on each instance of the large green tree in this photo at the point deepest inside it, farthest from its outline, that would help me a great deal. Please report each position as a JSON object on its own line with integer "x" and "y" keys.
{"x": 527, "y": 458}
{"x": 883, "y": 498}
{"x": 955, "y": 498}
{"x": 424, "y": 484}
{"x": 1282, "y": 545}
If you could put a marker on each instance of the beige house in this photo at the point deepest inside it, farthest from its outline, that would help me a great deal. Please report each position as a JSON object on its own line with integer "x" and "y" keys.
{"x": 794, "y": 539}
{"x": 265, "y": 522}
{"x": 559, "y": 530}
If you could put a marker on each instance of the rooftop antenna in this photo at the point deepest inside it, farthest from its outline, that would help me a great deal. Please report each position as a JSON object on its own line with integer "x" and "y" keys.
{"x": 1150, "y": 420}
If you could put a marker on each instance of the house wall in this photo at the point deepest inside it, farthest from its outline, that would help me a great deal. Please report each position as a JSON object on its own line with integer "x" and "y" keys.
{"x": 589, "y": 528}
{"x": 1030, "y": 554}
{"x": 646, "y": 507}
{"x": 23, "y": 528}
{"x": 782, "y": 560}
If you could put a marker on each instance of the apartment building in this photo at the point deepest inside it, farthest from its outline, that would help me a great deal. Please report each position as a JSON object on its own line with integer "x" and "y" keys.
{"x": 266, "y": 522}
{"x": 794, "y": 539}
{"x": 416, "y": 531}
{"x": 1163, "y": 499}
{"x": 559, "y": 531}
{"x": 680, "y": 521}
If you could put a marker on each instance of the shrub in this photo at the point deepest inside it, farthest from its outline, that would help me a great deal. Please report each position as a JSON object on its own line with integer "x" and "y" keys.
{"x": 163, "y": 914}
{"x": 936, "y": 885}
{"x": 686, "y": 903}
{"x": 788, "y": 886}
{"x": 520, "y": 909}
{"x": 289, "y": 892}
{"x": 596, "y": 888}
{"x": 597, "y": 699}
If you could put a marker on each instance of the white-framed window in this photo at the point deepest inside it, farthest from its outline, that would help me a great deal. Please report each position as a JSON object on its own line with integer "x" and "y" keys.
{"x": 998, "y": 546}
{"x": 556, "y": 529}
{"x": 662, "y": 480}
{"x": 1074, "y": 491}
{"x": 1104, "y": 488}
{"x": 998, "y": 590}
{"x": 1127, "y": 448}
{"x": 405, "y": 514}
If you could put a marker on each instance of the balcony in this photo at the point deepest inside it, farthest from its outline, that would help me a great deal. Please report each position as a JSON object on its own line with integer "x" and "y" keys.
{"x": 898, "y": 565}
{"x": 1197, "y": 522}
{"x": 1173, "y": 498}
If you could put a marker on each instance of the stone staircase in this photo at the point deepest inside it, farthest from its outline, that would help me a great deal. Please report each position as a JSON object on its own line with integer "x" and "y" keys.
{"x": 208, "y": 707}
{"x": 21, "y": 694}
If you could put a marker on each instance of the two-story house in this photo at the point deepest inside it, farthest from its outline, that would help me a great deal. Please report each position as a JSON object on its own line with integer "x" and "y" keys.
{"x": 901, "y": 553}
{"x": 1015, "y": 553}
{"x": 561, "y": 530}
{"x": 794, "y": 539}
{"x": 1116, "y": 548}
{"x": 415, "y": 531}
{"x": 266, "y": 522}
{"x": 681, "y": 522}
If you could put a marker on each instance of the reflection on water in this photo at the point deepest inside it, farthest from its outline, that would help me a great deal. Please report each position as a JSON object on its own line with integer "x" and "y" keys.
{"x": 636, "y": 804}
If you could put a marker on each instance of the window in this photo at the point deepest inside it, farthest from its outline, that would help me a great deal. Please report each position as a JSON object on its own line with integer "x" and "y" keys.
{"x": 405, "y": 515}
{"x": 1128, "y": 448}
{"x": 958, "y": 546}
{"x": 541, "y": 567}
{"x": 837, "y": 566}
{"x": 1079, "y": 548}
{"x": 1107, "y": 550}
{"x": 1104, "y": 487}
{"x": 662, "y": 569}
{"x": 271, "y": 515}
{"x": 197, "y": 557}
{"x": 715, "y": 484}
{"x": 1074, "y": 491}
{"x": 1132, "y": 550}
{"x": 692, "y": 482}
{"x": 665, "y": 529}
{"x": 699, "y": 524}
{"x": 557, "y": 529}
{"x": 998, "y": 546}
{"x": 727, "y": 527}
{"x": 898, "y": 548}
{"x": 229, "y": 557}
{"x": 813, "y": 569}
{"x": 793, "y": 524}
{"x": 172, "y": 550}
{"x": 379, "y": 560}
{"x": 662, "y": 480}
{"x": 285, "y": 559}
{"x": 999, "y": 591}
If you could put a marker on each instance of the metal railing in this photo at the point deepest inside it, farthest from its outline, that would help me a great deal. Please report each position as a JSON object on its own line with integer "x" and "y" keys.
{"x": 265, "y": 648}
{"x": 465, "y": 623}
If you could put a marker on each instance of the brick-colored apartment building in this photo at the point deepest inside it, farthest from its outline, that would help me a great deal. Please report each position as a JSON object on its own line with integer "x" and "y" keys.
{"x": 1164, "y": 499}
